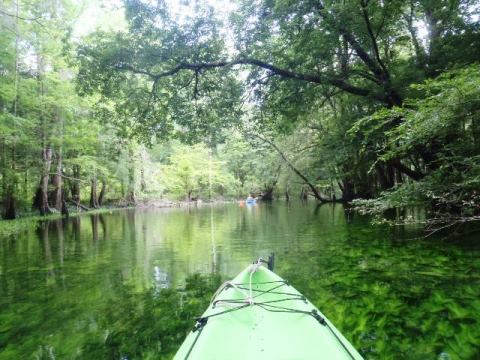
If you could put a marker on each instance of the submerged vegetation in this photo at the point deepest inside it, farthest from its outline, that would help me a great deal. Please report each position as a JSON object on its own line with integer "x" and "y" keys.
{"x": 120, "y": 285}
{"x": 160, "y": 320}
{"x": 369, "y": 100}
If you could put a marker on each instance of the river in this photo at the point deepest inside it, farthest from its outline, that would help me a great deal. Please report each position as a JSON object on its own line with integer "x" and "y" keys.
{"x": 119, "y": 285}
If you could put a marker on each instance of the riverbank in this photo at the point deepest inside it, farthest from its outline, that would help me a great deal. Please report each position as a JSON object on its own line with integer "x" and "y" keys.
{"x": 25, "y": 221}
{"x": 8, "y": 227}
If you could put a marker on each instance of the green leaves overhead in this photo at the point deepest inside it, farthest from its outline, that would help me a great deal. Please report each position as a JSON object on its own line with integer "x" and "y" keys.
{"x": 132, "y": 72}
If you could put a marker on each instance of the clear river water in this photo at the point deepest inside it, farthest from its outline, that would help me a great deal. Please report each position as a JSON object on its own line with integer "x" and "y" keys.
{"x": 125, "y": 284}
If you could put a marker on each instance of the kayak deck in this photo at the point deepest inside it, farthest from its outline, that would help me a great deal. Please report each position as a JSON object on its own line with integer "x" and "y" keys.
{"x": 260, "y": 314}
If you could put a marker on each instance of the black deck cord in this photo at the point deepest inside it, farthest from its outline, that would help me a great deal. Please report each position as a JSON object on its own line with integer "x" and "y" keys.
{"x": 270, "y": 292}
{"x": 313, "y": 313}
{"x": 340, "y": 341}
{"x": 202, "y": 321}
{"x": 262, "y": 303}
{"x": 268, "y": 307}
{"x": 262, "y": 292}
{"x": 264, "y": 282}
{"x": 198, "y": 327}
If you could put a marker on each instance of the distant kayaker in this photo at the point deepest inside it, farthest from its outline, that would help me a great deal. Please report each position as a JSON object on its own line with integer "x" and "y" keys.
{"x": 251, "y": 199}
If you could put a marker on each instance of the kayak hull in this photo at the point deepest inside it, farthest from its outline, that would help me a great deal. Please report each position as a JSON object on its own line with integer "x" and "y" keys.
{"x": 259, "y": 314}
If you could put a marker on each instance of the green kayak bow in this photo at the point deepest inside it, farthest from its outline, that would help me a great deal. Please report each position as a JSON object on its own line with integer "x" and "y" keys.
{"x": 260, "y": 315}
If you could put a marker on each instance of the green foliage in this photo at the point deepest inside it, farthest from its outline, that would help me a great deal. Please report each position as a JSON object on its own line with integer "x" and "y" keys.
{"x": 444, "y": 121}
{"x": 359, "y": 101}
{"x": 196, "y": 171}
{"x": 121, "y": 68}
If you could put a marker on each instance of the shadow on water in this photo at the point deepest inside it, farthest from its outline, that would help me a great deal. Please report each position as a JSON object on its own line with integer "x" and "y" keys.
{"x": 126, "y": 285}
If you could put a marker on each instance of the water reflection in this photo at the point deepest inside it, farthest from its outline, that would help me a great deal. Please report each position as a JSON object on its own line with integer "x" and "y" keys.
{"x": 160, "y": 279}
{"x": 212, "y": 239}
{"x": 82, "y": 286}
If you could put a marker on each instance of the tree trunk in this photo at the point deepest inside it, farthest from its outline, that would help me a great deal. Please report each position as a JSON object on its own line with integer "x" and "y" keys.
{"x": 476, "y": 133}
{"x": 9, "y": 207}
{"x": 76, "y": 184}
{"x": 103, "y": 190}
{"x": 391, "y": 175}
{"x": 303, "y": 194}
{"x": 41, "y": 197}
{"x": 58, "y": 184}
{"x": 143, "y": 183}
{"x": 385, "y": 174}
{"x": 59, "y": 192}
{"x": 8, "y": 185}
{"x": 332, "y": 191}
{"x": 347, "y": 188}
{"x": 131, "y": 197}
{"x": 10, "y": 182}
{"x": 93, "y": 193}
{"x": 268, "y": 194}
{"x": 64, "y": 205}
{"x": 398, "y": 176}
{"x": 25, "y": 178}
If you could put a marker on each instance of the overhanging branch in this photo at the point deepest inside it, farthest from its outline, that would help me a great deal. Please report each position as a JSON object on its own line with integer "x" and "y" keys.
{"x": 335, "y": 81}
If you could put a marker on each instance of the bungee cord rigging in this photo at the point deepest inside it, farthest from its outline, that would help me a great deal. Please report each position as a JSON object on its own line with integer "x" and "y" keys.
{"x": 250, "y": 297}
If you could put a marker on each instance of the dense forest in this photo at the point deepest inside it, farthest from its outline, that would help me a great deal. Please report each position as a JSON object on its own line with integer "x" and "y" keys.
{"x": 374, "y": 103}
